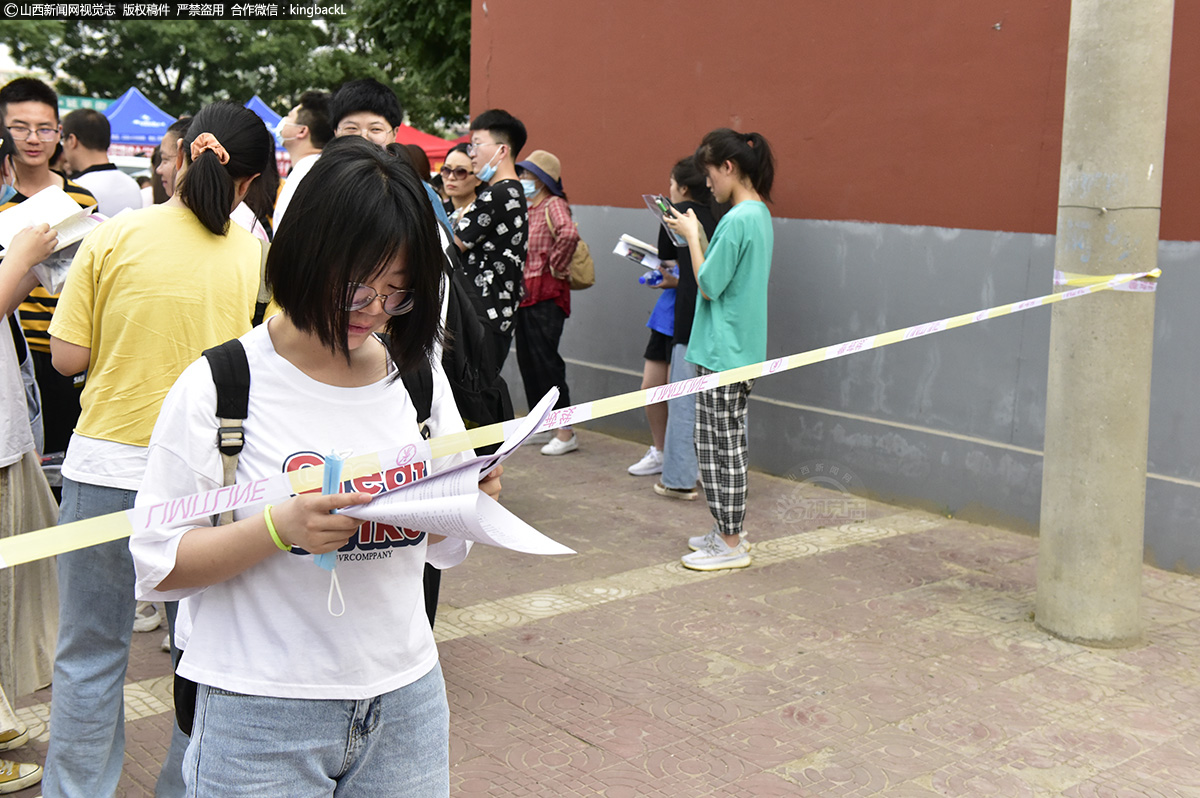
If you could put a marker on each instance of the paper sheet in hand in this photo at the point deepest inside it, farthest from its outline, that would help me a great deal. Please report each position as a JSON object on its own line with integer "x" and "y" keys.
{"x": 450, "y": 503}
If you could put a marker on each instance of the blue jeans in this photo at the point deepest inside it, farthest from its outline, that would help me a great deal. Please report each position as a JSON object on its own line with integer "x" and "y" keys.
{"x": 394, "y": 744}
{"x": 95, "y": 624}
{"x": 680, "y": 469}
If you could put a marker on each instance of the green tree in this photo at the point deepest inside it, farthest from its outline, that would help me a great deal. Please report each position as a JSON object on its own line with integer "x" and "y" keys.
{"x": 183, "y": 64}
{"x": 425, "y": 46}
{"x": 419, "y": 47}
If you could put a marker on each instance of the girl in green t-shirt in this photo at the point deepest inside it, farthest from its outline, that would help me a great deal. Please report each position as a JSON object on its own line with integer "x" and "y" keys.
{"x": 729, "y": 329}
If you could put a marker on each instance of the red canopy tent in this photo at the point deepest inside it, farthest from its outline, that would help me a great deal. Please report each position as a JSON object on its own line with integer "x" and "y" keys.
{"x": 436, "y": 148}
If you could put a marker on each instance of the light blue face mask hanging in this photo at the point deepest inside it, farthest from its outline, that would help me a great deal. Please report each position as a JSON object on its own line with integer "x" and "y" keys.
{"x": 7, "y": 192}
{"x": 332, "y": 484}
{"x": 488, "y": 170}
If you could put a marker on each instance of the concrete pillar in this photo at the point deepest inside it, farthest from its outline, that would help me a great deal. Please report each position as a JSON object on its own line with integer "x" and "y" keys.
{"x": 1097, "y": 404}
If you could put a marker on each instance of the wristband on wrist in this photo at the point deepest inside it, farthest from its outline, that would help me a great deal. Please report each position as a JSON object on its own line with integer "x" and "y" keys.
{"x": 271, "y": 528}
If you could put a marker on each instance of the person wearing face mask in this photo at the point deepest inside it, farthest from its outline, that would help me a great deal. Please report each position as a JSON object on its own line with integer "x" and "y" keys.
{"x": 282, "y": 684}
{"x": 547, "y": 300}
{"x": 458, "y": 182}
{"x": 146, "y": 294}
{"x": 304, "y": 132}
{"x": 491, "y": 234}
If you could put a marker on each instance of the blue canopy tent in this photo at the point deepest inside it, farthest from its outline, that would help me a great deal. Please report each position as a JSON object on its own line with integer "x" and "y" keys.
{"x": 269, "y": 117}
{"x": 136, "y": 120}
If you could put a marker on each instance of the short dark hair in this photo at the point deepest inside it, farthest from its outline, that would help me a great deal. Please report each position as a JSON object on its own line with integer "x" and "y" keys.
{"x": 504, "y": 127}
{"x": 365, "y": 94}
{"x": 207, "y": 185}
{"x": 24, "y": 90}
{"x": 90, "y": 127}
{"x": 314, "y": 114}
{"x": 358, "y": 209}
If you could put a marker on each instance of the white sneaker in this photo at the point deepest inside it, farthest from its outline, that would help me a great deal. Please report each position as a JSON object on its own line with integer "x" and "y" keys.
{"x": 148, "y": 617}
{"x": 716, "y": 556}
{"x": 557, "y": 446}
{"x": 699, "y": 542}
{"x": 651, "y": 463}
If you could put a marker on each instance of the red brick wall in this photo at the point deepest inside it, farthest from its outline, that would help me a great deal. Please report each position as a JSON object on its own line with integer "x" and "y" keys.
{"x": 923, "y": 112}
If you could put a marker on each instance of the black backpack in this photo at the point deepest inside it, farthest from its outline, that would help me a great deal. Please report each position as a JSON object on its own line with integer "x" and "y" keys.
{"x": 479, "y": 391}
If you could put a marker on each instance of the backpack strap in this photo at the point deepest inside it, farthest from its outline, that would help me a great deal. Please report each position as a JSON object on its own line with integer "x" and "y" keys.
{"x": 231, "y": 375}
{"x": 419, "y": 385}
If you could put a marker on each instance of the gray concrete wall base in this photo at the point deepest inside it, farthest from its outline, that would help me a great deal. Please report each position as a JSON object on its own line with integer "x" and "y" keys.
{"x": 951, "y": 422}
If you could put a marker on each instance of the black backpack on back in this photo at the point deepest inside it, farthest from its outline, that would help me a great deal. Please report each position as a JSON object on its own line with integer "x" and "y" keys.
{"x": 479, "y": 391}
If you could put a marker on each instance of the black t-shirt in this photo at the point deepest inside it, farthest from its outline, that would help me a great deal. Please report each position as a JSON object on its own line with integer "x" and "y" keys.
{"x": 494, "y": 232}
{"x": 685, "y": 293}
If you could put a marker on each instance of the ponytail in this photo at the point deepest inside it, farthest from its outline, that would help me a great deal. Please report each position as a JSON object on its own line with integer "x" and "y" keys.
{"x": 749, "y": 151}
{"x": 223, "y": 142}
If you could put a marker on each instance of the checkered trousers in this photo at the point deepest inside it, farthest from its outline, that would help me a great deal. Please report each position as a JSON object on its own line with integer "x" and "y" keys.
{"x": 721, "y": 450}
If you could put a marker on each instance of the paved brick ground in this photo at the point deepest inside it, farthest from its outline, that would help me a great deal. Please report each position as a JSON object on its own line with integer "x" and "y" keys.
{"x": 868, "y": 651}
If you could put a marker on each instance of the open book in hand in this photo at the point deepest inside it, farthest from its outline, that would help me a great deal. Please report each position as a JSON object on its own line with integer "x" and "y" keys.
{"x": 54, "y": 207}
{"x": 637, "y": 251}
{"x": 450, "y": 503}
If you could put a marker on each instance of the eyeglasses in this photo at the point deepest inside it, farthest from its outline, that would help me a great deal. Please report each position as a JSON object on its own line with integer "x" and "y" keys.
{"x": 397, "y": 303}
{"x": 458, "y": 173}
{"x": 473, "y": 147}
{"x": 43, "y": 133}
{"x": 355, "y": 130}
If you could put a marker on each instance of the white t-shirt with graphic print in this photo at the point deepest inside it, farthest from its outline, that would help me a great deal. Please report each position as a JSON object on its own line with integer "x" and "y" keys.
{"x": 268, "y": 631}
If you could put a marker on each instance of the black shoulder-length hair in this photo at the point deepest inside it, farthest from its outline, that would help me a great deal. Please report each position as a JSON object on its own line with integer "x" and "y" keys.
{"x": 357, "y": 210}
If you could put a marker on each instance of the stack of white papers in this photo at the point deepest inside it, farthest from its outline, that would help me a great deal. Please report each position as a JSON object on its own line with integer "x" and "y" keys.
{"x": 450, "y": 503}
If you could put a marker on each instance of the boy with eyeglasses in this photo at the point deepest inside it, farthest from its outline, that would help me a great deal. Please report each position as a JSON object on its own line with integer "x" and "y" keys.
{"x": 369, "y": 109}
{"x": 30, "y": 110}
{"x": 492, "y": 233}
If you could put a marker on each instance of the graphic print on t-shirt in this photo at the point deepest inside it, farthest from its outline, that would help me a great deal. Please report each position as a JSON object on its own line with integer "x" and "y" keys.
{"x": 372, "y": 536}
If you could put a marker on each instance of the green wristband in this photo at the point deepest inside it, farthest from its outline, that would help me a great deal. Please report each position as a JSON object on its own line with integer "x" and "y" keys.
{"x": 271, "y": 528}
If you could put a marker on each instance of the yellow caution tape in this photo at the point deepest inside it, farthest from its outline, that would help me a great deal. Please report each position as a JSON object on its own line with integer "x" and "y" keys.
{"x": 44, "y": 543}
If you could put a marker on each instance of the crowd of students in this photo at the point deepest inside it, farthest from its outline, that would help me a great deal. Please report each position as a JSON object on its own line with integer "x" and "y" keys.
{"x": 357, "y": 254}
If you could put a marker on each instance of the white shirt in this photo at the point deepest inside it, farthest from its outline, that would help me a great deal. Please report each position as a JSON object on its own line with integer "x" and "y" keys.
{"x": 244, "y": 217}
{"x": 267, "y": 631}
{"x": 302, "y": 168}
{"x": 113, "y": 189}
{"x": 16, "y": 437}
